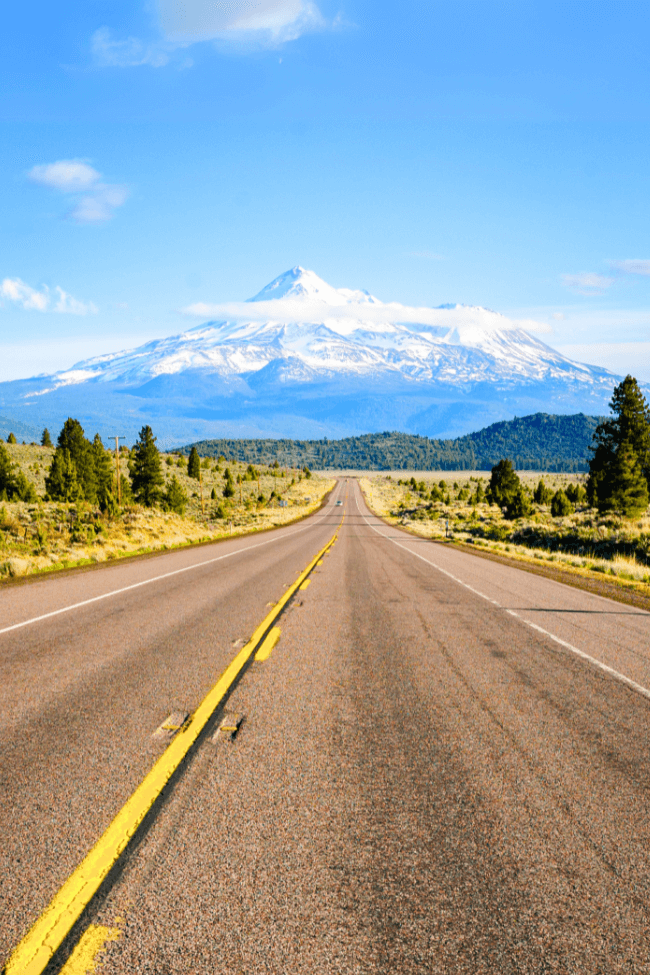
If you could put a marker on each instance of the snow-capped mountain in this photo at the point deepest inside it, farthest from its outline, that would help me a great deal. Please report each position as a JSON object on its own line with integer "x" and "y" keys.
{"x": 304, "y": 359}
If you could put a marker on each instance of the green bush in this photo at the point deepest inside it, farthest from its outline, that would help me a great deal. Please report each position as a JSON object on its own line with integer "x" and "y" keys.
{"x": 175, "y": 498}
{"x": 560, "y": 505}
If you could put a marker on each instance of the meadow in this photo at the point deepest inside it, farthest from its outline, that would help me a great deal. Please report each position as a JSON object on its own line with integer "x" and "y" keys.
{"x": 48, "y": 535}
{"x": 582, "y": 542}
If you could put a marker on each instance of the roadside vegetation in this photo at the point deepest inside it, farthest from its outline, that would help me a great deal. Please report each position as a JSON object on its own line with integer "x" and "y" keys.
{"x": 60, "y": 504}
{"x": 590, "y": 523}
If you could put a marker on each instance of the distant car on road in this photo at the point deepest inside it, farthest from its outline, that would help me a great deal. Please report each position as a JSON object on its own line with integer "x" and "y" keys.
{"x": 339, "y": 502}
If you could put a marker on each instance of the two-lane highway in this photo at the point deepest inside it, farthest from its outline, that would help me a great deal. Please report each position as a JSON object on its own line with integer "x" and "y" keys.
{"x": 443, "y": 765}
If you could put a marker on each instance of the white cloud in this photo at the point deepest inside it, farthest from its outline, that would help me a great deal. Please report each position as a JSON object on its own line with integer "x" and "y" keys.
{"x": 68, "y": 305}
{"x": 109, "y": 53}
{"x": 243, "y": 24}
{"x": 13, "y": 289}
{"x": 587, "y": 282}
{"x": 98, "y": 206}
{"x": 67, "y": 175}
{"x": 94, "y": 201}
{"x": 558, "y": 316}
{"x": 16, "y": 291}
{"x": 632, "y": 266}
{"x": 273, "y": 22}
{"x": 305, "y": 310}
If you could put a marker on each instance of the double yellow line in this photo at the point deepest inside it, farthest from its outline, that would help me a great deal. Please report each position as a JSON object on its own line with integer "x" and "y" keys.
{"x": 48, "y": 933}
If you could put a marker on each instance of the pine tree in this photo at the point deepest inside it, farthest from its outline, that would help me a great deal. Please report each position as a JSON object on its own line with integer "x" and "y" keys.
{"x": 624, "y": 488}
{"x": 146, "y": 469}
{"x": 11, "y": 438}
{"x": 14, "y": 486}
{"x": 542, "y": 493}
{"x": 175, "y": 498}
{"x": 62, "y": 483}
{"x": 194, "y": 464}
{"x": 504, "y": 483}
{"x": 630, "y": 424}
{"x": 46, "y": 440}
{"x": 73, "y": 440}
{"x": 104, "y": 474}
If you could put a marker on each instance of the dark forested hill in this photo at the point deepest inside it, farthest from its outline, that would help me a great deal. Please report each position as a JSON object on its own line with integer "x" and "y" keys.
{"x": 538, "y": 442}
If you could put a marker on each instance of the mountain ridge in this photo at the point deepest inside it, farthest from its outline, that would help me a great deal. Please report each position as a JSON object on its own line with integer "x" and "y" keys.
{"x": 302, "y": 359}
{"x": 540, "y": 441}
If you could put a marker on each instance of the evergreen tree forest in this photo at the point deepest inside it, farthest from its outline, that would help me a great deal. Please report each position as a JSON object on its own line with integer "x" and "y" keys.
{"x": 80, "y": 469}
{"x": 537, "y": 442}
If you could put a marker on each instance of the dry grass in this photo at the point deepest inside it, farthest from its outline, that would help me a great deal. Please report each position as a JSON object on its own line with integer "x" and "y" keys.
{"x": 50, "y": 535}
{"x": 582, "y": 542}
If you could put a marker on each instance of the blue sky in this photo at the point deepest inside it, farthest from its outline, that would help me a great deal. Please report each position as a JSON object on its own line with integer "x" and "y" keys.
{"x": 159, "y": 154}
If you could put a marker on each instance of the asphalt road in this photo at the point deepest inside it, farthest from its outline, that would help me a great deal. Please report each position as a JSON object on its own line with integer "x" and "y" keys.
{"x": 435, "y": 772}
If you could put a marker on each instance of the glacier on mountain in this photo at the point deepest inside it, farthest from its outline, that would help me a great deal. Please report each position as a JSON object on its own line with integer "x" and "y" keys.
{"x": 304, "y": 359}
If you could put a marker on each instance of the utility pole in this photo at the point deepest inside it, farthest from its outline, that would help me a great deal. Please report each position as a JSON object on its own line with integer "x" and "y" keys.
{"x": 201, "y": 489}
{"x": 117, "y": 468}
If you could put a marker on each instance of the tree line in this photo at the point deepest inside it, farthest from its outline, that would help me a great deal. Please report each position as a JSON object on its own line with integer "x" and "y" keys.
{"x": 83, "y": 470}
{"x": 541, "y": 441}
{"x": 619, "y": 469}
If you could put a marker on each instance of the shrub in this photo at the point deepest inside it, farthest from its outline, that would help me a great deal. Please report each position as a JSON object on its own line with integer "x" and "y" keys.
{"x": 175, "y": 498}
{"x": 560, "y": 505}
{"x": 504, "y": 483}
{"x": 519, "y": 505}
{"x": 542, "y": 493}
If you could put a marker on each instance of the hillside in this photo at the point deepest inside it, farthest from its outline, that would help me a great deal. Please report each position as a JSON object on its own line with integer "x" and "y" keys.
{"x": 538, "y": 442}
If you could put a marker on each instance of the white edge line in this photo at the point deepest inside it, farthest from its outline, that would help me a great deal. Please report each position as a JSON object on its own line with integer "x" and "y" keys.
{"x": 146, "y": 582}
{"x": 639, "y": 688}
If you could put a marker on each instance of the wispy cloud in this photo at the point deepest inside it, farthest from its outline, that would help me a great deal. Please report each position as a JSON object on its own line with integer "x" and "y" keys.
{"x": 632, "y": 266}
{"x": 233, "y": 24}
{"x": 306, "y": 310}
{"x": 31, "y": 299}
{"x": 587, "y": 282}
{"x": 267, "y": 22}
{"x": 129, "y": 53}
{"x": 93, "y": 200}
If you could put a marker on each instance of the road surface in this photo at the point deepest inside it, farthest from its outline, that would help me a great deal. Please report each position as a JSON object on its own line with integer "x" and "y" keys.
{"x": 443, "y": 767}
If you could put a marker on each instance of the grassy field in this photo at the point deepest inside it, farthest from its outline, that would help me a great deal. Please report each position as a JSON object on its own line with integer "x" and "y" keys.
{"x": 50, "y": 535}
{"x": 582, "y": 542}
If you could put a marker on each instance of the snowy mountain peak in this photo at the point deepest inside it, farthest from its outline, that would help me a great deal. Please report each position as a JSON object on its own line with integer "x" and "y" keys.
{"x": 311, "y": 359}
{"x": 303, "y": 284}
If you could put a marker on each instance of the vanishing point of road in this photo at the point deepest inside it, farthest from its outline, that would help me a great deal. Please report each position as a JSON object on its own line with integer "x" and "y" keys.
{"x": 442, "y": 767}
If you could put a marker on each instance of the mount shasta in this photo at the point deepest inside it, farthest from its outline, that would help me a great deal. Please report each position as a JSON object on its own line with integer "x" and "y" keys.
{"x": 305, "y": 360}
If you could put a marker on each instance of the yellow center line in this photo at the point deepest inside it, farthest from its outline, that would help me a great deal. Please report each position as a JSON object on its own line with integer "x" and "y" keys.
{"x": 46, "y": 935}
{"x": 271, "y": 640}
{"x": 84, "y": 960}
